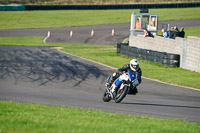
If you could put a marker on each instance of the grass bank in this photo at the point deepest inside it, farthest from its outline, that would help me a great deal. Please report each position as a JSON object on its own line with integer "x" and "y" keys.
{"x": 192, "y": 31}
{"x": 22, "y": 117}
{"x": 189, "y": 31}
{"x": 67, "y": 18}
{"x": 107, "y": 55}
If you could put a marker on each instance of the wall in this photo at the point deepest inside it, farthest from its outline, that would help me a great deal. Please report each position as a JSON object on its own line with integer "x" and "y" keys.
{"x": 193, "y": 54}
{"x": 188, "y": 49}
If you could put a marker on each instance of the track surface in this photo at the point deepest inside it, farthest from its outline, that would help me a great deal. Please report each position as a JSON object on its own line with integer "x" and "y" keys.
{"x": 81, "y": 35}
{"x": 47, "y": 76}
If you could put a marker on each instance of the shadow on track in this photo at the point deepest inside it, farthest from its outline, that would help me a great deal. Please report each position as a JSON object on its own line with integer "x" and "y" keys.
{"x": 161, "y": 105}
{"x": 43, "y": 65}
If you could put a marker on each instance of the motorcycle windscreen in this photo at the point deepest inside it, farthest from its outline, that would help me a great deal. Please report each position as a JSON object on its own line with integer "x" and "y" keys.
{"x": 132, "y": 76}
{"x": 108, "y": 79}
{"x": 118, "y": 82}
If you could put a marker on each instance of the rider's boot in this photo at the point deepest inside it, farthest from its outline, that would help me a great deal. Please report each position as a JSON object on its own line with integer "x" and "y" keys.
{"x": 133, "y": 91}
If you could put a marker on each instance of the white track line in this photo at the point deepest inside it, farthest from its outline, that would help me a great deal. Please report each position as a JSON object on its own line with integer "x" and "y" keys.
{"x": 142, "y": 76}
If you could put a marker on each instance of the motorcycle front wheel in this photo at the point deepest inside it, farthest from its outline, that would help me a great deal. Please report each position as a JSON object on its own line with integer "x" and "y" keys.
{"x": 106, "y": 97}
{"x": 121, "y": 93}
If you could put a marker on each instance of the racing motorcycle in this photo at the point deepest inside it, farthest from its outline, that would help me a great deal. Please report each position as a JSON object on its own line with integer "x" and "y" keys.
{"x": 123, "y": 85}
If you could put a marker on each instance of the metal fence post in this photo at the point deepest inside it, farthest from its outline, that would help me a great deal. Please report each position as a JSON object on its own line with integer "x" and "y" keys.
{"x": 184, "y": 54}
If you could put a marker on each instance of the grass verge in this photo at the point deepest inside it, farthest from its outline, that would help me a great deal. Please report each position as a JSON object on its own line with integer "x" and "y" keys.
{"x": 22, "y": 117}
{"x": 67, "y": 18}
{"x": 192, "y": 31}
{"x": 189, "y": 31}
{"x": 107, "y": 55}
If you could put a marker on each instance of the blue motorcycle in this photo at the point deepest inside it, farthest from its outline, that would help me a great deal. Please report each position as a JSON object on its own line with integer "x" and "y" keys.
{"x": 120, "y": 87}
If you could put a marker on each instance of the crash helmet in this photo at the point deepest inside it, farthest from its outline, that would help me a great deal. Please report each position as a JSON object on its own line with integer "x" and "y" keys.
{"x": 134, "y": 64}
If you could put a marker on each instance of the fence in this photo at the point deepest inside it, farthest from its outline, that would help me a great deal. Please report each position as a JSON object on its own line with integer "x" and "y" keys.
{"x": 164, "y": 58}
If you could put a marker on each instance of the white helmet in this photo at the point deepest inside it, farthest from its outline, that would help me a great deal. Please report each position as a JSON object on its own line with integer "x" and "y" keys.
{"x": 134, "y": 64}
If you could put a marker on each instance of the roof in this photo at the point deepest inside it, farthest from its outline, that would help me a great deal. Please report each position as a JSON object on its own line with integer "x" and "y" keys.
{"x": 146, "y": 14}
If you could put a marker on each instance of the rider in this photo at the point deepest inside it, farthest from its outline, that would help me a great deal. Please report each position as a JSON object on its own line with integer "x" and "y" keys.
{"x": 134, "y": 67}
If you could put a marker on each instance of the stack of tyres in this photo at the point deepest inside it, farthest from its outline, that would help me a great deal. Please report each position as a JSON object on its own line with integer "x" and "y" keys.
{"x": 143, "y": 54}
{"x": 167, "y": 59}
{"x": 129, "y": 51}
{"x": 133, "y": 52}
{"x": 159, "y": 57}
{"x": 152, "y": 55}
{"x": 148, "y": 55}
{"x": 118, "y": 47}
{"x": 138, "y": 53}
{"x": 123, "y": 49}
{"x": 172, "y": 60}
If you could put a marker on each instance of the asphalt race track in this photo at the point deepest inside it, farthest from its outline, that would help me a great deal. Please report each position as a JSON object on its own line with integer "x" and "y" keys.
{"x": 82, "y": 34}
{"x": 47, "y": 76}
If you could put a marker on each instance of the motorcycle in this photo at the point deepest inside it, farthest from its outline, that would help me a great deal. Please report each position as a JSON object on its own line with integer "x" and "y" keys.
{"x": 122, "y": 85}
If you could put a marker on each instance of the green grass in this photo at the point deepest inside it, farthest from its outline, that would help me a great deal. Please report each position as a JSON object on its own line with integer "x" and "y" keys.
{"x": 107, "y": 55}
{"x": 67, "y": 18}
{"x": 25, "y": 41}
{"x": 189, "y": 31}
{"x": 192, "y": 31}
{"x": 22, "y": 117}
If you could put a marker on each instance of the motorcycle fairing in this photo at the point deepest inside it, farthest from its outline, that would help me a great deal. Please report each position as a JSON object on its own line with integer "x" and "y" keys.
{"x": 118, "y": 82}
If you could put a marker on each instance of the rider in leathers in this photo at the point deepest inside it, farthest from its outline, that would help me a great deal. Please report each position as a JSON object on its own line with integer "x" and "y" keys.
{"x": 134, "y": 67}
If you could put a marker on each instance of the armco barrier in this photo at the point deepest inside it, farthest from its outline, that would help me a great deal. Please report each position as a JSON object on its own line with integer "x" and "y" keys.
{"x": 103, "y": 7}
{"x": 12, "y": 7}
{"x": 166, "y": 59}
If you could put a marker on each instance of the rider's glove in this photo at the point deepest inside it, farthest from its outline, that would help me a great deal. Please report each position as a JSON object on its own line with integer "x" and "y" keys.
{"x": 135, "y": 83}
{"x": 119, "y": 72}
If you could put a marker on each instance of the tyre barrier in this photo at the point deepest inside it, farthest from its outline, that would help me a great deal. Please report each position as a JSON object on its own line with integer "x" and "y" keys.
{"x": 164, "y": 58}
